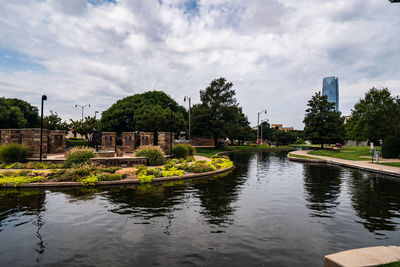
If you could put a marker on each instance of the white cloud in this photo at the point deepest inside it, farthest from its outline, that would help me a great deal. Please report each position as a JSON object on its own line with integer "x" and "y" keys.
{"x": 275, "y": 52}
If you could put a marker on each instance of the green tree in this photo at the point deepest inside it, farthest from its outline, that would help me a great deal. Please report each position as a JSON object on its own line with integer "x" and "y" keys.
{"x": 128, "y": 114}
{"x": 322, "y": 123}
{"x": 219, "y": 114}
{"x": 85, "y": 127}
{"x": 158, "y": 119}
{"x": 374, "y": 117}
{"x": 54, "y": 122}
{"x": 17, "y": 113}
{"x": 284, "y": 138}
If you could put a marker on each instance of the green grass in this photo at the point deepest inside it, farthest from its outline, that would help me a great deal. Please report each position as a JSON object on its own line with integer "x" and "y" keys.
{"x": 391, "y": 264}
{"x": 300, "y": 156}
{"x": 209, "y": 151}
{"x": 305, "y": 145}
{"x": 350, "y": 153}
{"x": 393, "y": 164}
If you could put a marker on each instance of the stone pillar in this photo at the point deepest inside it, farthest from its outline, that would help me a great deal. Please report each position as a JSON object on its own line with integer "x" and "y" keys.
{"x": 164, "y": 141}
{"x": 128, "y": 141}
{"x": 108, "y": 140}
{"x": 146, "y": 139}
{"x": 56, "y": 141}
{"x": 31, "y": 139}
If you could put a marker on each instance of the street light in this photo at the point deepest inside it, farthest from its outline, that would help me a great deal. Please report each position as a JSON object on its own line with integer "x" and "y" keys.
{"x": 95, "y": 113}
{"x": 170, "y": 128}
{"x": 82, "y": 107}
{"x": 190, "y": 104}
{"x": 258, "y": 122}
{"x": 262, "y": 129}
{"x": 44, "y": 97}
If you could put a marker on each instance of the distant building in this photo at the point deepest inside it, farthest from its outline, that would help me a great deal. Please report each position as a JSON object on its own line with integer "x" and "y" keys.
{"x": 330, "y": 88}
{"x": 281, "y": 128}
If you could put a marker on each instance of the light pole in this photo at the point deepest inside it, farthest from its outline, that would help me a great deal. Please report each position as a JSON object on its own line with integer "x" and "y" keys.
{"x": 258, "y": 122}
{"x": 170, "y": 128}
{"x": 262, "y": 129}
{"x": 190, "y": 105}
{"x": 82, "y": 107}
{"x": 44, "y": 97}
{"x": 95, "y": 113}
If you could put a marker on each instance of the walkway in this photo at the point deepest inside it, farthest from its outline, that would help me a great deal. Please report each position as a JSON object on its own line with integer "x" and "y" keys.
{"x": 362, "y": 165}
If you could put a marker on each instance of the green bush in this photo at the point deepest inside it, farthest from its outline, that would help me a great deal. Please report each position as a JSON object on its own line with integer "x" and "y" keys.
{"x": 391, "y": 147}
{"x": 180, "y": 151}
{"x": 109, "y": 177}
{"x": 78, "y": 155}
{"x": 74, "y": 142}
{"x": 13, "y": 153}
{"x": 191, "y": 149}
{"x": 153, "y": 154}
{"x": 110, "y": 169}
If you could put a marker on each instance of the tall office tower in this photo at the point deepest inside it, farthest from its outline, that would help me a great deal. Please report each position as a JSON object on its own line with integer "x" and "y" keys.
{"x": 330, "y": 88}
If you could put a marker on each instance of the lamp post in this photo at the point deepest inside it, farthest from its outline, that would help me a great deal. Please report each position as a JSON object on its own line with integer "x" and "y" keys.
{"x": 190, "y": 104}
{"x": 82, "y": 107}
{"x": 95, "y": 113}
{"x": 262, "y": 129}
{"x": 170, "y": 128}
{"x": 258, "y": 122}
{"x": 44, "y": 97}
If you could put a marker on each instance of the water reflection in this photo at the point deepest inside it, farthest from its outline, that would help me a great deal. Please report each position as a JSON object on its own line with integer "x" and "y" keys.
{"x": 322, "y": 189}
{"x": 376, "y": 200}
{"x": 19, "y": 207}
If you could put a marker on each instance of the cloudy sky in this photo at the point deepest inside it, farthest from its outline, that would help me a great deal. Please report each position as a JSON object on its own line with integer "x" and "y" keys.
{"x": 276, "y": 52}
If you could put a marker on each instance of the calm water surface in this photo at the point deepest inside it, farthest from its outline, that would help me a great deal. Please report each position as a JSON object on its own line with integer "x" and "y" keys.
{"x": 269, "y": 212}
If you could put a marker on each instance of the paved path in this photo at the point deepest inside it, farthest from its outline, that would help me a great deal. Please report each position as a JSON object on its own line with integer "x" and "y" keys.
{"x": 363, "y": 165}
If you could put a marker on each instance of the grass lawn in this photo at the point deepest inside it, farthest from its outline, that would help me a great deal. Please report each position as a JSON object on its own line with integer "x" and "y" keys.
{"x": 210, "y": 151}
{"x": 392, "y": 264}
{"x": 300, "y": 156}
{"x": 393, "y": 164}
{"x": 350, "y": 153}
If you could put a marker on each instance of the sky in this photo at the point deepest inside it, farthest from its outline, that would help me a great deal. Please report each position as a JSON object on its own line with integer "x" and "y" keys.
{"x": 275, "y": 52}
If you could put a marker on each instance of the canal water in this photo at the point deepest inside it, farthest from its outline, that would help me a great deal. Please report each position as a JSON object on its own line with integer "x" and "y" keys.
{"x": 267, "y": 212}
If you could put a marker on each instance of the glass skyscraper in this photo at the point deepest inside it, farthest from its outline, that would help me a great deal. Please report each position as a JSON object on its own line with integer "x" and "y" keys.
{"x": 330, "y": 88}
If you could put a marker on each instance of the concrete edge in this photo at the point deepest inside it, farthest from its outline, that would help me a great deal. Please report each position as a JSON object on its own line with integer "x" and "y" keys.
{"x": 332, "y": 162}
{"x": 119, "y": 182}
{"x": 305, "y": 160}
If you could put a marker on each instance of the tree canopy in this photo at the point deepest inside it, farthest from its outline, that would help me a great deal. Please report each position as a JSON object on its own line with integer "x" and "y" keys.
{"x": 54, "y": 122}
{"x": 322, "y": 122}
{"x": 17, "y": 113}
{"x": 219, "y": 114}
{"x": 374, "y": 117}
{"x": 148, "y": 111}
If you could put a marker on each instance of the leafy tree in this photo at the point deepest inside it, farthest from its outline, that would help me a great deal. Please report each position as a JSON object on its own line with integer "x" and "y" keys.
{"x": 54, "y": 122}
{"x": 17, "y": 113}
{"x": 284, "y": 138}
{"x": 85, "y": 127}
{"x": 268, "y": 133}
{"x": 134, "y": 113}
{"x": 322, "y": 122}
{"x": 374, "y": 117}
{"x": 219, "y": 114}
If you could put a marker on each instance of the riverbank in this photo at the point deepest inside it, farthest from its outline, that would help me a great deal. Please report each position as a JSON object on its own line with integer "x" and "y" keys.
{"x": 126, "y": 181}
{"x": 303, "y": 156}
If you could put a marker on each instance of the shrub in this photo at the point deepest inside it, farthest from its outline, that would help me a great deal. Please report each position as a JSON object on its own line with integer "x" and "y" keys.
{"x": 199, "y": 168}
{"x": 16, "y": 165}
{"x": 180, "y": 151}
{"x": 153, "y": 154}
{"x": 13, "y": 153}
{"x": 79, "y": 155}
{"x": 110, "y": 169}
{"x": 191, "y": 149}
{"x": 90, "y": 180}
{"x": 110, "y": 177}
{"x": 391, "y": 147}
{"x": 74, "y": 142}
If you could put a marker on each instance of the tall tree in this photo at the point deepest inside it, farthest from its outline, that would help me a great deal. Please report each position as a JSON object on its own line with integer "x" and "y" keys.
{"x": 219, "y": 114}
{"x": 54, "y": 122}
{"x": 17, "y": 113}
{"x": 322, "y": 122}
{"x": 128, "y": 114}
{"x": 374, "y": 117}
